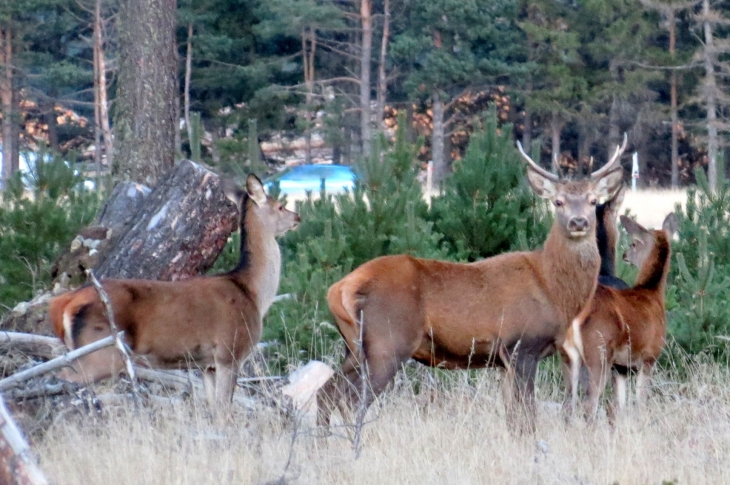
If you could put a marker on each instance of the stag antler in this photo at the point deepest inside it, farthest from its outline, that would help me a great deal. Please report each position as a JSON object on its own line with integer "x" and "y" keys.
{"x": 536, "y": 167}
{"x": 610, "y": 164}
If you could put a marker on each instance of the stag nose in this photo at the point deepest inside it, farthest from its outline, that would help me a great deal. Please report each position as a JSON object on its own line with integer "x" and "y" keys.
{"x": 578, "y": 225}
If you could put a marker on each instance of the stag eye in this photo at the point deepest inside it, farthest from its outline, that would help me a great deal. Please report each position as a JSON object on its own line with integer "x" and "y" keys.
{"x": 594, "y": 201}
{"x": 558, "y": 203}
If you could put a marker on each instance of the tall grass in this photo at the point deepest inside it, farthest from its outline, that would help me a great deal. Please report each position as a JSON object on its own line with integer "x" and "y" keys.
{"x": 432, "y": 427}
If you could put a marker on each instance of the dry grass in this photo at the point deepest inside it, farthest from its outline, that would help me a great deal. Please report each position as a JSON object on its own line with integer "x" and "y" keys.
{"x": 453, "y": 431}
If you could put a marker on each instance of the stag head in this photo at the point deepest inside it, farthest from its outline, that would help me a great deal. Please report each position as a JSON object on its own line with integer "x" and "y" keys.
{"x": 575, "y": 200}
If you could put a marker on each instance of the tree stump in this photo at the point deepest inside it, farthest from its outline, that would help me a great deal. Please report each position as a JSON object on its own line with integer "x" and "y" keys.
{"x": 178, "y": 232}
{"x": 174, "y": 233}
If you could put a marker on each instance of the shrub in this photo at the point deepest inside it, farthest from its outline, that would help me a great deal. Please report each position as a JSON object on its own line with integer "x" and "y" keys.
{"x": 40, "y": 213}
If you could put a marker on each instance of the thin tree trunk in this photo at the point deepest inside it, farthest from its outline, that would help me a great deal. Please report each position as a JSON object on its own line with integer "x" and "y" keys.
{"x": 147, "y": 90}
{"x": 382, "y": 80}
{"x": 437, "y": 140}
{"x": 188, "y": 71}
{"x": 710, "y": 95}
{"x": 101, "y": 86}
{"x": 309, "y": 46}
{"x": 613, "y": 117}
{"x": 527, "y": 131}
{"x": 6, "y": 98}
{"x": 556, "y": 125}
{"x": 673, "y": 101}
{"x": 365, "y": 60}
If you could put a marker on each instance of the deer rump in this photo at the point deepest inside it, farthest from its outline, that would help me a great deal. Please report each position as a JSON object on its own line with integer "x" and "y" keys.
{"x": 411, "y": 307}
{"x": 163, "y": 321}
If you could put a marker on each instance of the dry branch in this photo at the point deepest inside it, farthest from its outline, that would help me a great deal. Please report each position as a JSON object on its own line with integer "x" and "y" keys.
{"x": 118, "y": 342}
{"x": 17, "y": 465}
{"x": 56, "y": 363}
{"x": 28, "y": 343}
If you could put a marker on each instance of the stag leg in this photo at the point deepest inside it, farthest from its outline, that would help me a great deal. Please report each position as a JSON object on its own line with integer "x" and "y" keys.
{"x": 519, "y": 388}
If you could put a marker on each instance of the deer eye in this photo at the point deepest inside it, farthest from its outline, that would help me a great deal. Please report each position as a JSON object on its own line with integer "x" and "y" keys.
{"x": 594, "y": 201}
{"x": 281, "y": 207}
{"x": 558, "y": 203}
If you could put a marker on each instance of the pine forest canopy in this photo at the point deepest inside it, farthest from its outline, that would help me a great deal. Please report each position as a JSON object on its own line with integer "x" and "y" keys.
{"x": 571, "y": 76}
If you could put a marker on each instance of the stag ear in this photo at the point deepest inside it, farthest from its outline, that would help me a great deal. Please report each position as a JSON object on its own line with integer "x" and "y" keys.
{"x": 615, "y": 202}
{"x": 541, "y": 185}
{"x": 255, "y": 190}
{"x": 609, "y": 183}
{"x": 631, "y": 226}
{"x": 670, "y": 224}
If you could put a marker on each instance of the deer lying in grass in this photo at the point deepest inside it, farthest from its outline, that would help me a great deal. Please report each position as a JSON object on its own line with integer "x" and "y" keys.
{"x": 213, "y": 322}
{"x": 508, "y": 311}
{"x": 623, "y": 329}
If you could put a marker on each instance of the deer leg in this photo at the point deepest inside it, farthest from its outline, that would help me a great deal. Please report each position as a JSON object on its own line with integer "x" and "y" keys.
{"x": 642, "y": 382}
{"x": 597, "y": 378}
{"x": 225, "y": 384}
{"x": 209, "y": 386}
{"x": 618, "y": 402}
{"x": 339, "y": 391}
{"x": 521, "y": 412}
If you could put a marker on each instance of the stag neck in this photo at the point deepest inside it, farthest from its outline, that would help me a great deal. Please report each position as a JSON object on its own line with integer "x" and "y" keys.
{"x": 570, "y": 269}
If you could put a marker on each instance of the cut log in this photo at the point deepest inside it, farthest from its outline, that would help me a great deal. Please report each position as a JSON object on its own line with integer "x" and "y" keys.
{"x": 17, "y": 465}
{"x": 29, "y": 344}
{"x": 303, "y": 386}
{"x": 178, "y": 232}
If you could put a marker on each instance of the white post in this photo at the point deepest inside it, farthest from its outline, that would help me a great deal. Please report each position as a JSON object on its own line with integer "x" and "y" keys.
{"x": 634, "y": 171}
{"x": 429, "y": 180}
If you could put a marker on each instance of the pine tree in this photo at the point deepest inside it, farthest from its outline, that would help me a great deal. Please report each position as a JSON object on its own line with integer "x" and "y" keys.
{"x": 487, "y": 207}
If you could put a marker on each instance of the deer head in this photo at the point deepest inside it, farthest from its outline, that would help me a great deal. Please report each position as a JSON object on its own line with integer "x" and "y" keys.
{"x": 575, "y": 200}
{"x": 643, "y": 240}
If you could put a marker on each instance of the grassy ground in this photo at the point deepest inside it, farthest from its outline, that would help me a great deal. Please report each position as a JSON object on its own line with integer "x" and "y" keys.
{"x": 452, "y": 431}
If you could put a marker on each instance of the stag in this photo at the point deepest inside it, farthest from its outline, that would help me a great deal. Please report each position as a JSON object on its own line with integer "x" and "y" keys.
{"x": 508, "y": 311}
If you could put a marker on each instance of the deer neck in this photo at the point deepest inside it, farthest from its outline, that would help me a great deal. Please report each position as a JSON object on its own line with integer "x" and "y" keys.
{"x": 259, "y": 267}
{"x": 653, "y": 273}
{"x": 570, "y": 269}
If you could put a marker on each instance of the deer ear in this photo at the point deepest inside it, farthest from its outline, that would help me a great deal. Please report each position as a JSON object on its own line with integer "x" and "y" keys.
{"x": 670, "y": 224}
{"x": 631, "y": 226}
{"x": 255, "y": 189}
{"x": 609, "y": 184}
{"x": 233, "y": 192}
{"x": 542, "y": 186}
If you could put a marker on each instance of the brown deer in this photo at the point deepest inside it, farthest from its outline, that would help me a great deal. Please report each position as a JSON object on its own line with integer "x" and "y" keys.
{"x": 213, "y": 322}
{"x": 607, "y": 237}
{"x": 507, "y": 311}
{"x": 625, "y": 329}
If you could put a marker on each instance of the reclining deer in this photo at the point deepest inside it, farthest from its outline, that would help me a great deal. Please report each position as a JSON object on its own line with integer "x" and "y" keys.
{"x": 507, "y": 311}
{"x": 623, "y": 329}
{"x": 213, "y": 321}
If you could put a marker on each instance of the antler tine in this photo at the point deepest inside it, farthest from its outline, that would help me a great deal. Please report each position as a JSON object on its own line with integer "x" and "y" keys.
{"x": 536, "y": 167}
{"x": 610, "y": 164}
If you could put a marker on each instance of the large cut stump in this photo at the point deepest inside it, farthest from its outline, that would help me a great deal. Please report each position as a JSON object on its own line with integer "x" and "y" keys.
{"x": 178, "y": 232}
{"x": 174, "y": 232}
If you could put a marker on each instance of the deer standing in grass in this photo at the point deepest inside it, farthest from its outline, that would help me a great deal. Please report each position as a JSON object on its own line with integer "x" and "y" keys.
{"x": 507, "y": 311}
{"x": 213, "y": 322}
{"x": 623, "y": 329}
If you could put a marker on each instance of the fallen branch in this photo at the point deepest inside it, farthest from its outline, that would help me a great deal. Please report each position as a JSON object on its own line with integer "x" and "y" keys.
{"x": 45, "y": 390}
{"x": 17, "y": 465}
{"x": 119, "y": 343}
{"x": 35, "y": 345}
{"x": 56, "y": 363}
{"x": 177, "y": 381}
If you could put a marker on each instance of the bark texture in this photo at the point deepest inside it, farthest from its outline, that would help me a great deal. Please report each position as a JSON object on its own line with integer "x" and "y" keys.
{"x": 17, "y": 465}
{"x": 179, "y": 231}
{"x": 146, "y": 111}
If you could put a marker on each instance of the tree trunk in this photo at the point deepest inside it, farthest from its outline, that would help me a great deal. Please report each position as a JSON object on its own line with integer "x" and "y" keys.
{"x": 556, "y": 126}
{"x": 6, "y": 99}
{"x": 145, "y": 115}
{"x": 382, "y": 79}
{"x": 710, "y": 94}
{"x": 188, "y": 73}
{"x": 365, "y": 58}
{"x": 49, "y": 116}
{"x": 673, "y": 101}
{"x": 100, "y": 88}
{"x": 179, "y": 231}
{"x": 527, "y": 131}
{"x": 437, "y": 140}
{"x": 309, "y": 46}
{"x": 613, "y": 116}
